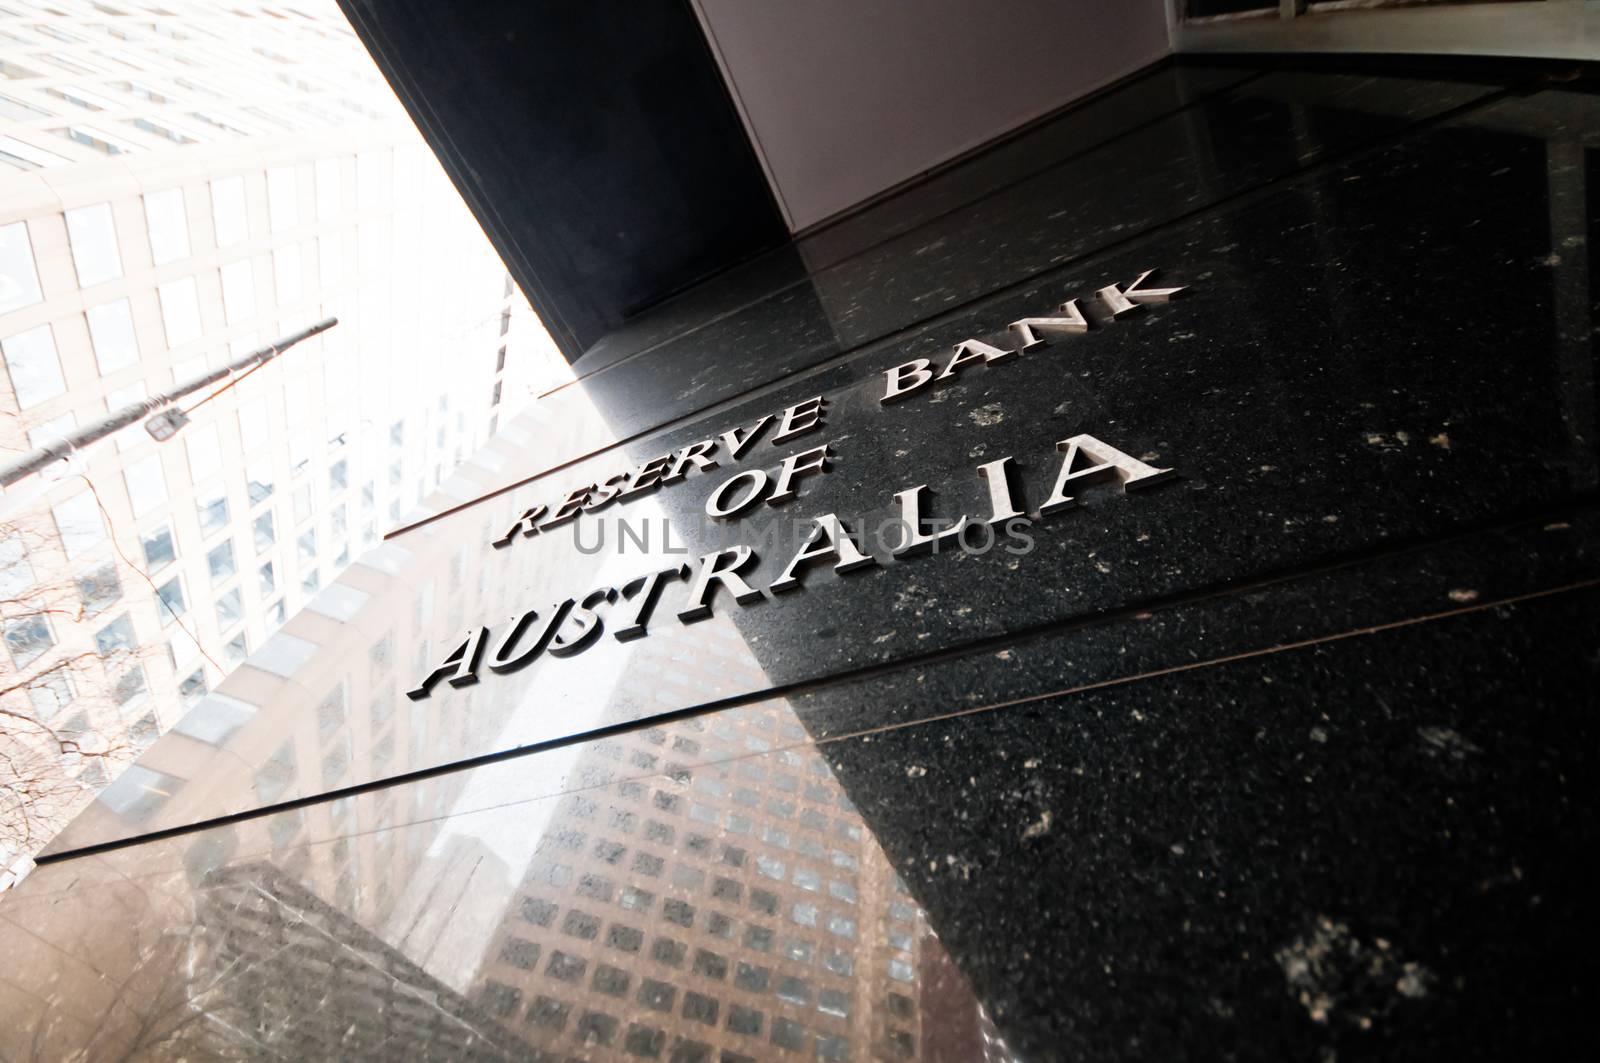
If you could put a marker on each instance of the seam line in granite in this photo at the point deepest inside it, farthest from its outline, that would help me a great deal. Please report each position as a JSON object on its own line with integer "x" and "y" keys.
{"x": 862, "y": 673}
{"x": 889, "y": 728}
{"x": 932, "y": 218}
{"x": 1242, "y": 197}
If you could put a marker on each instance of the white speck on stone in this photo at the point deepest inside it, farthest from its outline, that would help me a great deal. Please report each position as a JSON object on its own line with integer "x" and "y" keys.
{"x": 916, "y": 771}
{"x": 1442, "y": 440}
{"x": 987, "y": 415}
{"x": 1039, "y": 828}
{"x": 1463, "y": 595}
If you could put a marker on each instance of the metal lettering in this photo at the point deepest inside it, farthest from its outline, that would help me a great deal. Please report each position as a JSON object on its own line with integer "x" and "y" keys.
{"x": 897, "y": 388}
{"x": 1071, "y": 320}
{"x": 1126, "y": 300}
{"x": 831, "y": 539}
{"x": 717, "y": 509}
{"x": 915, "y": 539}
{"x": 1113, "y": 465}
{"x": 736, "y": 443}
{"x": 506, "y": 657}
{"x": 585, "y": 619}
{"x": 460, "y": 666}
{"x": 527, "y": 524}
{"x": 806, "y": 463}
{"x": 968, "y": 351}
{"x": 799, "y": 419}
{"x": 1000, "y": 476}
{"x": 721, "y": 567}
{"x": 647, "y": 590}
{"x": 569, "y": 508}
{"x": 694, "y": 453}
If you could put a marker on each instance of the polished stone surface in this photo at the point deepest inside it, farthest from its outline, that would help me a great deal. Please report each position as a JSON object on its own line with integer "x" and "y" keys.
{"x": 1284, "y": 756}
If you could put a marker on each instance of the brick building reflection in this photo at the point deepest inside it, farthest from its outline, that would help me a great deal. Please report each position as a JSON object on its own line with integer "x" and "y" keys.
{"x": 737, "y": 909}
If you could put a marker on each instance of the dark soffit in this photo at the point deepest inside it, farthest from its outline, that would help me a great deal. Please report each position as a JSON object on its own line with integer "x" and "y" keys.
{"x": 596, "y": 144}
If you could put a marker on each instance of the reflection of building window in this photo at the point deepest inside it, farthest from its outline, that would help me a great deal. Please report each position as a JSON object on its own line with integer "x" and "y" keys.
{"x": 212, "y": 510}
{"x": 265, "y": 535}
{"x": 228, "y": 210}
{"x": 116, "y": 637}
{"x": 236, "y": 650}
{"x": 230, "y": 609}
{"x": 99, "y": 588}
{"x": 170, "y": 595}
{"x": 27, "y": 637}
{"x": 30, "y": 356}
{"x": 168, "y": 224}
{"x": 130, "y": 688}
{"x": 221, "y": 563}
{"x": 269, "y": 582}
{"x": 50, "y": 693}
{"x": 93, "y": 237}
{"x": 111, "y": 332}
{"x": 193, "y": 687}
{"x": 159, "y": 551}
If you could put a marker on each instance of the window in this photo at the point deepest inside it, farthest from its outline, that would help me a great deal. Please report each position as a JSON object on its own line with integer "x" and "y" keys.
{"x": 25, "y": 156}
{"x": 27, "y": 638}
{"x": 330, "y": 188}
{"x": 180, "y": 311}
{"x": 193, "y": 687}
{"x": 500, "y": 360}
{"x": 265, "y": 534}
{"x": 99, "y": 588}
{"x": 168, "y": 223}
{"x": 19, "y": 284}
{"x": 147, "y": 487}
{"x": 307, "y": 544}
{"x": 118, "y": 398}
{"x": 130, "y": 688}
{"x": 170, "y": 594}
{"x": 269, "y": 580}
{"x": 338, "y": 476}
{"x": 283, "y": 208}
{"x": 93, "y": 236}
{"x": 205, "y": 455}
{"x": 253, "y": 426}
{"x": 304, "y": 505}
{"x": 286, "y": 273}
{"x": 159, "y": 551}
{"x": 52, "y": 430}
{"x": 228, "y": 210}
{"x": 78, "y": 521}
{"x": 31, "y": 361}
{"x": 310, "y": 581}
{"x": 16, "y": 575}
{"x": 238, "y": 291}
{"x": 259, "y": 481}
{"x": 111, "y": 331}
{"x": 336, "y": 520}
{"x": 212, "y": 509}
{"x": 89, "y": 101}
{"x": 330, "y": 258}
{"x": 276, "y": 614}
{"x": 50, "y": 693}
{"x": 237, "y": 649}
{"x": 20, "y": 111}
{"x": 220, "y": 561}
{"x": 230, "y": 609}
{"x": 94, "y": 137}
{"x": 397, "y": 434}
{"x": 116, "y": 638}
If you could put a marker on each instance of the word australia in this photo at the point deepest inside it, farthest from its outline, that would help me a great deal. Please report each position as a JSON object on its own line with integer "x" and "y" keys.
{"x": 568, "y": 627}
{"x": 900, "y": 383}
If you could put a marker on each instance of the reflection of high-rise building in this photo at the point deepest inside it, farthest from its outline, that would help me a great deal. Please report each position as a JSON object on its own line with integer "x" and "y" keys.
{"x": 736, "y": 912}
{"x": 181, "y": 184}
